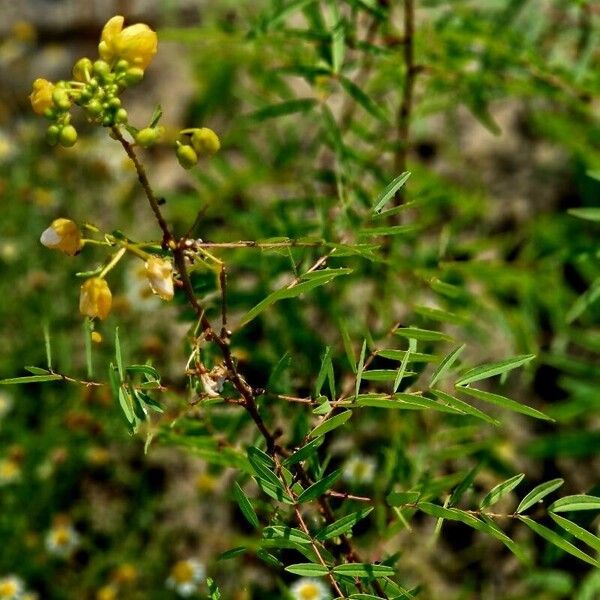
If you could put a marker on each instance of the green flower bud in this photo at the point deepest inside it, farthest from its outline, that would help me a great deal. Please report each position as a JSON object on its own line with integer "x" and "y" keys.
{"x": 186, "y": 156}
{"x": 82, "y": 69}
{"x": 114, "y": 103}
{"x": 85, "y": 96}
{"x": 146, "y": 137}
{"x": 108, "y": 121}
{"x": 133, "y": 76}
{"x": 94, "y": 108}
{"x": 121, "y": 66}
{"x": 205, "y": 141}
{"x": 93, "y": 84}
{"x": 52, "y": 134}
{"x": 67, "y": 136}
{"x": 61, "y": 99}
{"x": 121, "y": 116}
{"x": 102, "y": 69}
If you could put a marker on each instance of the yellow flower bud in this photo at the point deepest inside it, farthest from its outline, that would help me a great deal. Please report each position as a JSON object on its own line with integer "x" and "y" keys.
{"x": 41, "y": 96}
{"x": 186, "y": 156}
{"x": 96, "y": 337}
{"x": 160, "y": 276}
{"x": 136, "y": 44}
{"x": 95, "y": 299}
{"x": 205, "y": 141}
{"x": 82, "y": 69}
{"x": 64, "y": 235}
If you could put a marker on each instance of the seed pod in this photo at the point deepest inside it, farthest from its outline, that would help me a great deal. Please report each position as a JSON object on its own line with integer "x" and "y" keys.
{"x": 186, "y": 156}
{"x": 67, "y": 136}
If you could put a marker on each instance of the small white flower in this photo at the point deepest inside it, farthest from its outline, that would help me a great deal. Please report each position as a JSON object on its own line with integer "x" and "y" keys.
{"x": 62, "y": 540}
{"x": 309, "y": 589}
{"x": 360, "y": 469}
{"x": 185, "y": 577}
{"x": 11, "y": 587}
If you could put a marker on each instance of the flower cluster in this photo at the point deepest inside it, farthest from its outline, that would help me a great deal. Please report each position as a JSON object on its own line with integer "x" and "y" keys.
{"x": 62, "y": 540}
{"x": 124, "y": 55}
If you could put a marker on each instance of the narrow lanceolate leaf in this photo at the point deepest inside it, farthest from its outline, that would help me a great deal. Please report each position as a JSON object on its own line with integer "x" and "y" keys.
{"x": 437, "y": 314}
{"x": 412, "y": 346}
{"x": 307, "y": 282}
{"x": 363, "y": 99}
{"x": 579, "y": 502}
{"x": 505, "y": 403}
{"x": 325, "y": 365}
{"x": 451, "y": 514}
{"x": 538, "y": 493}
{"x": 403, "y": 401}
{"x": 364, "y": 571}
{"x": 342, "y": 525}
{"x": 119, "y": 355}
{"x": 593, "y": 541}
{"x": 307, "y": 570}
{"x": 286, "y": 533}
{"x": 360, "y": 367}
{"x": 499, "y": 491}
{"x": 283, "y": 108}
{"x": 464, "y": 407}
{"x": 320, "y": 487}
{"x": 425, "y": 335}
{"x": 446, "y": 364}
{"x": 389, "y": 191}
{"x": 588, "y": 213}
{"x": 402, "y": 498}
{"x": 496, "y": 368}
{"x": 30, "y": 379}
{"x": 558, "y": 540}
{"x": 415, "y": 357}
{"x": 245, "y": 505}
{"x": 304, "y": 452}
{"x": 331, "y": 424}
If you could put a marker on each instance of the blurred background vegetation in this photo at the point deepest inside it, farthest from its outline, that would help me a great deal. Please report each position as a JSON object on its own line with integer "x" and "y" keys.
{"x": 501, "y": 138}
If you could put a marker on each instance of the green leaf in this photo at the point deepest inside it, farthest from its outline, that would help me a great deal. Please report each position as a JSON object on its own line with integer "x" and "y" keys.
{"x": 36, "y": 370}
{"x": 286, "y": 533}
{"x": 577, "y": 531}
{"x": 412, "y": 346}
{"x": 307, "y": 570}
{"x": 330, "y": 424}
{"x": 578, "y": 502}
{"x": 119, "y": 355}
{"x": 156, "y": 116}
{"x": 558, "y": 540}
{"x": 338, "y": 47}
{"x": 229, "y": 554}
{"x": 213, "y": 590}
{"x": 245, "y": 505}
{"x": 584, "y": 301}
{"x": 424, "y": 335}
{"x": 30, "y": 379}
{"x": 539, "y": 492}
{"x": 126, "y": 405}
{"x": 391, "y": 230}
{"x": 385, "y": 374}
{"x": 283, "y": 108}
{"x": 324, "y": 371}
{"x": 363, "y": 99}
{"x": 342, "y": 525}
{"x": 320, "y": 487}
{"x": 360, "y": 367}
{"x": 402, "y": 401}
{"x": 492, "y": 369}
{"x": 451, "y": 514}
{"x": 304, "y": 452}
{"x": 446, "y": 364}
{"x": 415, "y": 357}
{"x": 307, "y": 282}
{"x": 389, "y": 191}
{"x": 48, "y": 346}
{"x": 436, "y": 314}
{"x": 505, "y": 403}
{"x": 588, "y": 213}
{"x": 402, "y": 498}
{"x": 500, "y": 490}
{"x": 364, "y": 571}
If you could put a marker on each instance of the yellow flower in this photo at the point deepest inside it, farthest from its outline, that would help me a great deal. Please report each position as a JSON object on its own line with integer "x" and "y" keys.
{"x": 64, "y": 235}
{"x": 160, "y": 276}
{"x": 11, "y": 587}
{"x": 136, "y": 44}
{"x": 41, "y": 96}
{"x": 95, "y": 299}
